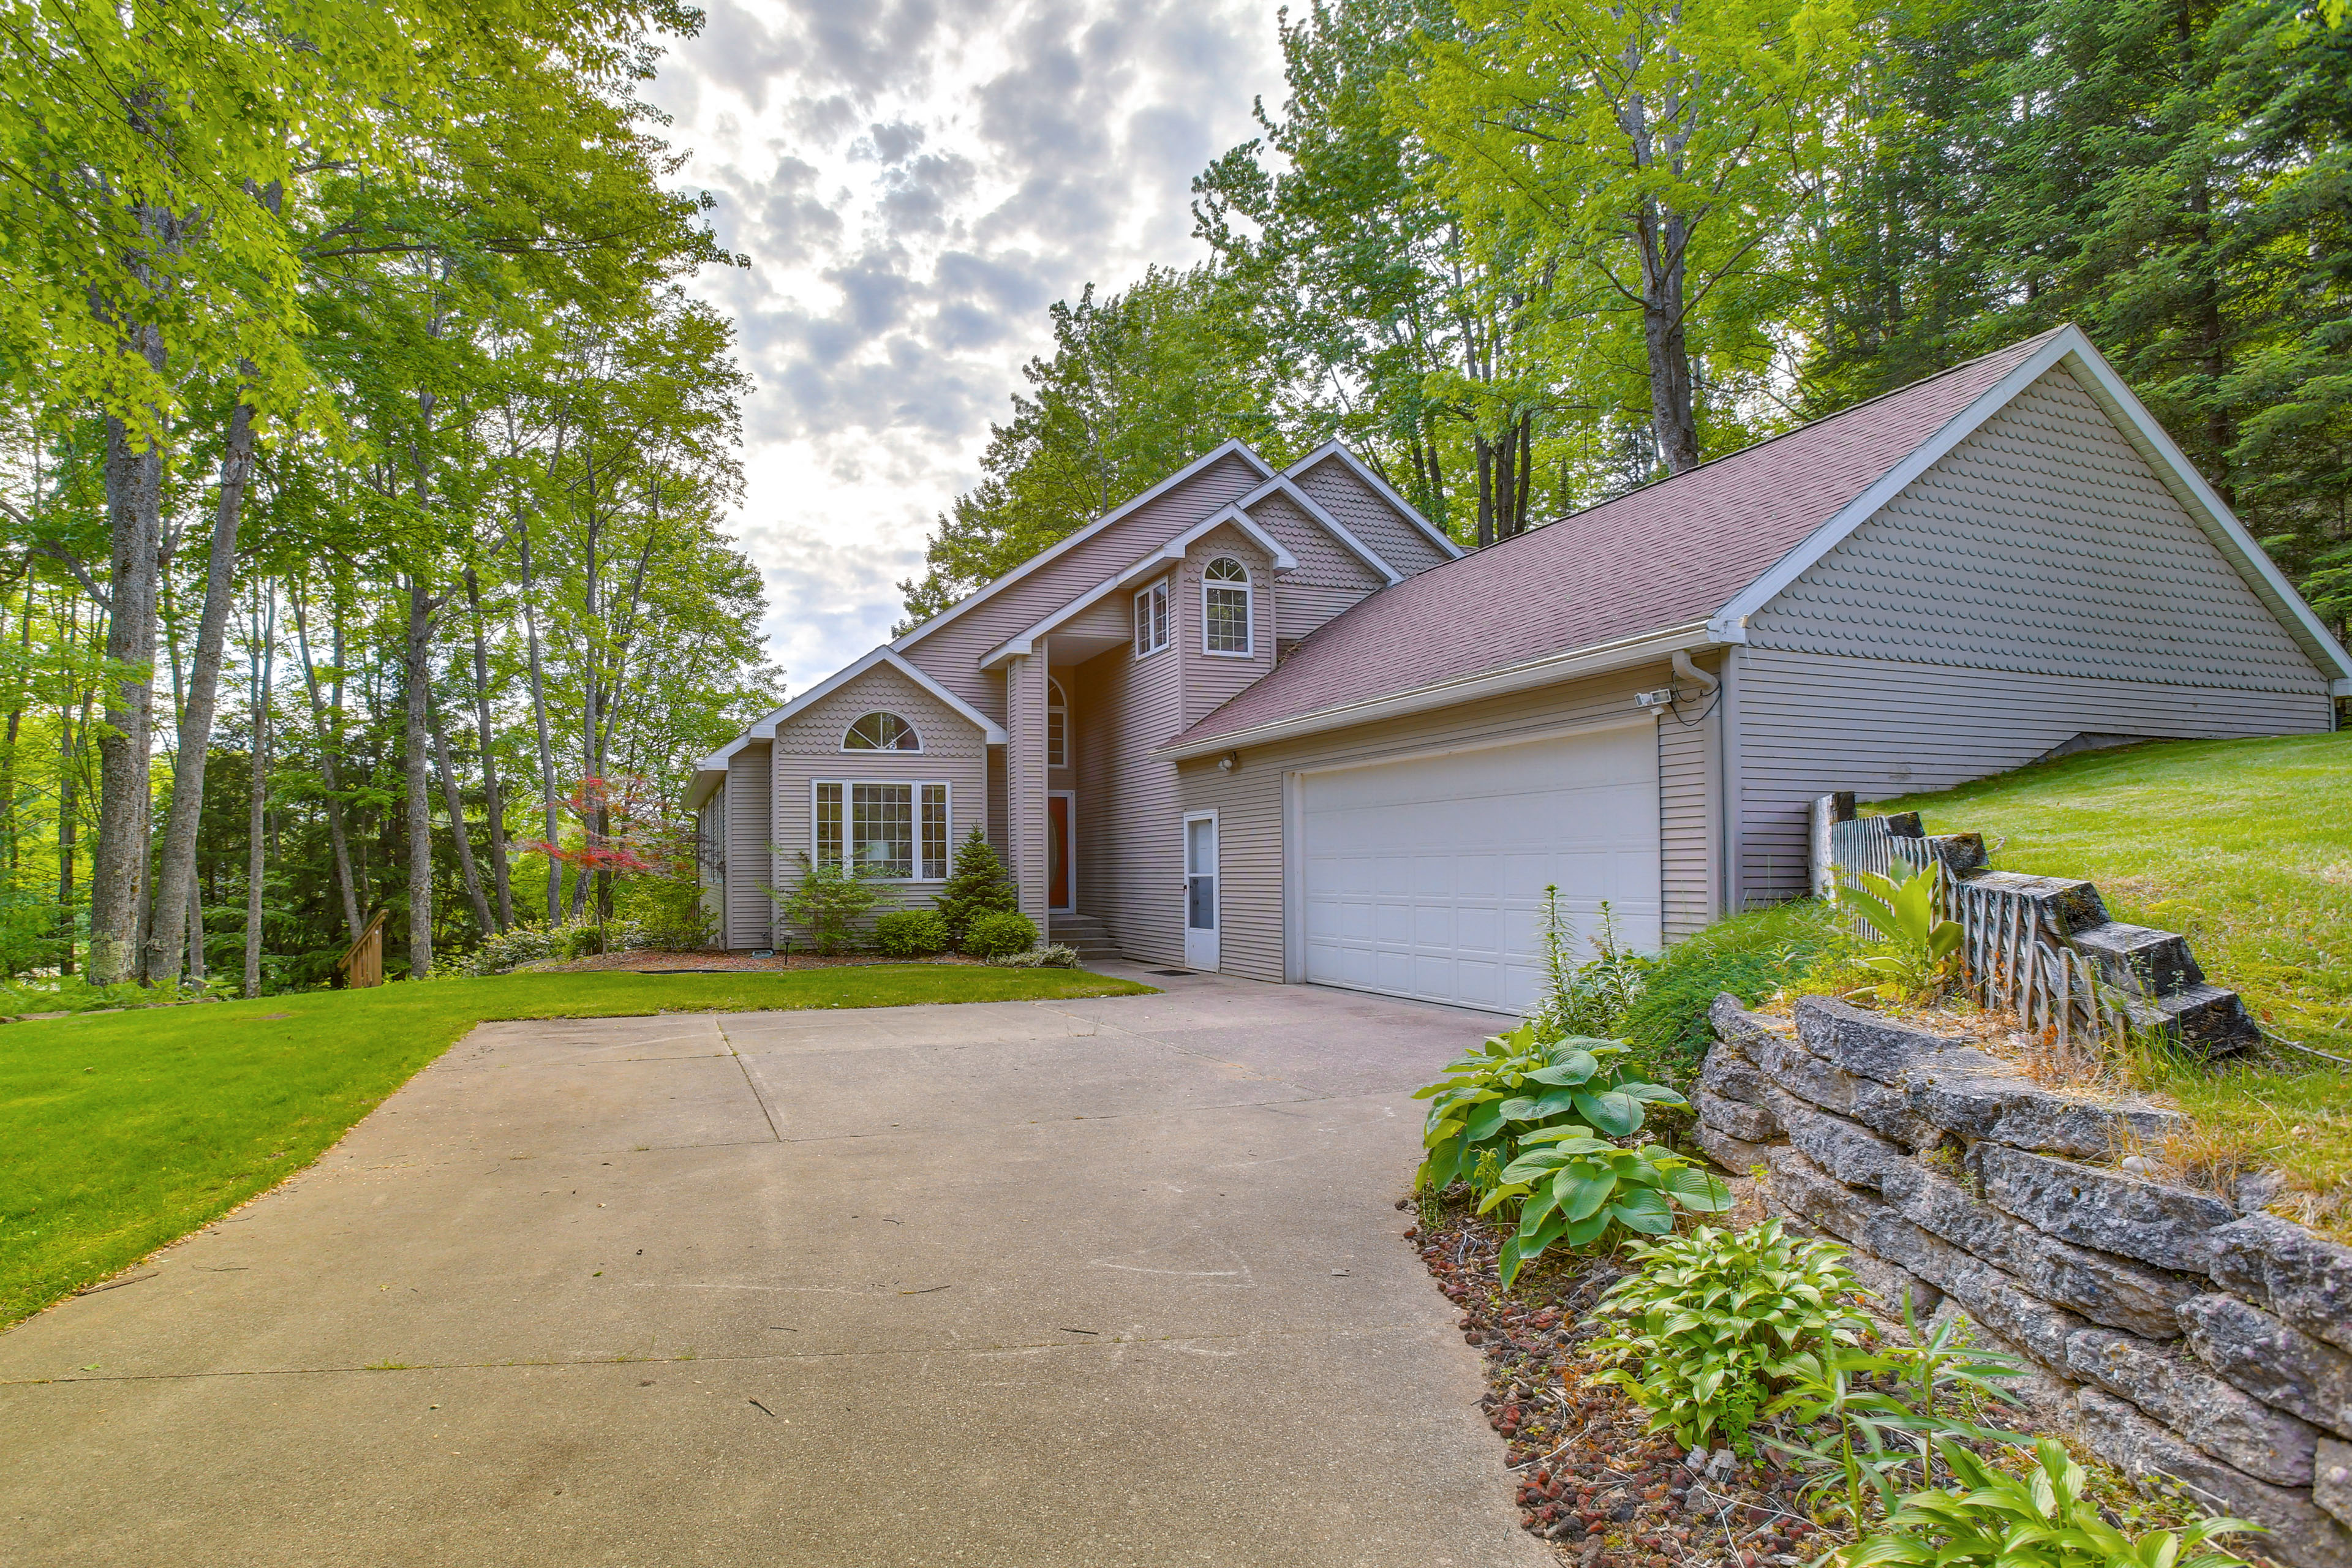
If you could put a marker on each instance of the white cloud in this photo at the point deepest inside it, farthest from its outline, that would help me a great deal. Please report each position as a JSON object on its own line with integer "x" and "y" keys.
{"x": 914, "y": 184}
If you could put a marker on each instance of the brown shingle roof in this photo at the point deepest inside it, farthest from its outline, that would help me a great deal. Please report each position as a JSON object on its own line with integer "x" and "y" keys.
{"x": 1666, "y": 555}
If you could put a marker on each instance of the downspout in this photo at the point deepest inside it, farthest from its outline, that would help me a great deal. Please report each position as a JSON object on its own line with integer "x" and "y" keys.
{"x": 1685, "y": 670}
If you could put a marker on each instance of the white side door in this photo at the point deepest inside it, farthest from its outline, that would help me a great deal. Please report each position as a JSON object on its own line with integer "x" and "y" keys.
{"x": 1201, "y": 891}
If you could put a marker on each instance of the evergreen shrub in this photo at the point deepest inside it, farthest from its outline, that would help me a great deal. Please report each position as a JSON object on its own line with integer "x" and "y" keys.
{"x": 1000, "y": 933}
{"x": 976, "y": 886}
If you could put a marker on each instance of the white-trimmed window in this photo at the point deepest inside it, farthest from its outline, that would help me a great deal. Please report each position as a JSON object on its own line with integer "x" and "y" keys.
{"x": 1152, "y": 619}
{"x": 1225, "y": 607}
{"x": 897, "y": 831}
{"x": 1057, "y": 726}
{"x": 881, "y": 732}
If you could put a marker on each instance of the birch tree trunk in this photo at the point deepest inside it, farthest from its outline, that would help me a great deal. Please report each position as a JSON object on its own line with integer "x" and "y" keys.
{"x": 417, "y": 677}
{"x": 265, "y": 621}
{"x": 176, "y": 879}
{"x": 493, "y": 803}
{"x": 456, "y": 804}
{"x": 330, "y": 740}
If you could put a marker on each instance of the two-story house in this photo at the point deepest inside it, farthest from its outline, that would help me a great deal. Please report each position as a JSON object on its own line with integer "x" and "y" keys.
{"x": 1273, "y": 721}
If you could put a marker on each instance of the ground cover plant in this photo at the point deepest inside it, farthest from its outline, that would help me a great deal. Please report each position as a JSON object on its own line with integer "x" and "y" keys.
{"x": 2246, "y": 848}
{"x": 119, "y": 1131}
{"x": 1750, "y": 955}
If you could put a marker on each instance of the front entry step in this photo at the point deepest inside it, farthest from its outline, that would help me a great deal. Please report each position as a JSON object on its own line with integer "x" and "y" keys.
{"x": 1083, "y": 932}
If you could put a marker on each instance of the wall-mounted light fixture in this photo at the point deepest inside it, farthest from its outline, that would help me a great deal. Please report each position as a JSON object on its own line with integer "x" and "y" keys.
{"x": 1229, "y": 762}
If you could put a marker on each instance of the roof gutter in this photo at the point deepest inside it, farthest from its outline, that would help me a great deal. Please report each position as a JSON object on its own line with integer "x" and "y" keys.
{"x": 1594, "y": 659}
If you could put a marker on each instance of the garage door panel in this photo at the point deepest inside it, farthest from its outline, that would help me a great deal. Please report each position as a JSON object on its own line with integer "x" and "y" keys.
{"x": 1426, "y": 878}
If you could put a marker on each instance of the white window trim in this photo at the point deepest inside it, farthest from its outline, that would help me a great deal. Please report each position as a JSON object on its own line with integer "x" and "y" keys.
{"x": 1158, "y": 621}
{"x": 918, "y": 786}
{"x": 1248, "y": 587}
{"x": 850, "y": 750}
{"x": 1056, "y": 696}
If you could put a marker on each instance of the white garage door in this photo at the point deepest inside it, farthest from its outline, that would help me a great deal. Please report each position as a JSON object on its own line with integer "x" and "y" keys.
{"x": 1426, "y": 877}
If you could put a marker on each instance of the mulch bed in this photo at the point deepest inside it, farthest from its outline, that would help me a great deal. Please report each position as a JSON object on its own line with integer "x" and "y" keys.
{"x": 644, "y": 961}
{"x": 1591, "y": 1481}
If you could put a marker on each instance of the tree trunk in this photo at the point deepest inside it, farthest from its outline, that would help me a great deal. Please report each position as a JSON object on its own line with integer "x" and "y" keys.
{"x": 175, "y": 883}
{"x": 493, "y": 803}
{"x": 1485, "y": 454}
{"x": 417, "y": 677}
{"x": 546, "y": 738}
{"x": 265, "y": 619}
{"x": 456, "y": 804}
{"x": 68, "y": 812}
{"x": 1663, "y": 240}
{"x": 330, "y": 738}
{"x": 135, "y": 500}
{"x": 17, "y": 719}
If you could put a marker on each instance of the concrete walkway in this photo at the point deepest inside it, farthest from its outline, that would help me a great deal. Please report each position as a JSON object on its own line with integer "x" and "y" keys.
{"x": 1106, "y": 1282}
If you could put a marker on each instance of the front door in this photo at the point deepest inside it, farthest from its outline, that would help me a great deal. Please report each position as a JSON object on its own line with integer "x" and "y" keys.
{"x": 1201, "y": 891}
{"x": 1060, "y": 844}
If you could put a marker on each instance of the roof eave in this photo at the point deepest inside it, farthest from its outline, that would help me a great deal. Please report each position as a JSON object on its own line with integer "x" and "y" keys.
{"x": 1594, "y": 659}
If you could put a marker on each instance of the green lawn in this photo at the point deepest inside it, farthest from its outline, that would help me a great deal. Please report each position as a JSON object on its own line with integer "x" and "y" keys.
{"x": 2245, "y": 847}
{"x": 119, "y": 1131}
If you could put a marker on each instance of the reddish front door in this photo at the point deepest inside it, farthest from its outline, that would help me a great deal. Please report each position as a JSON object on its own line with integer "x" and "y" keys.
{"x": 1058, "y": 851}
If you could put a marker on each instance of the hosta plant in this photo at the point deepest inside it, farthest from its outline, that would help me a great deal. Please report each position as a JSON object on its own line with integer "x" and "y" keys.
{"x": 1496, "y": 1093}
{"x": 1574, "y": 1190}
{"x": 2038, "y": 1519}
{"x": 1712, "y": 1325}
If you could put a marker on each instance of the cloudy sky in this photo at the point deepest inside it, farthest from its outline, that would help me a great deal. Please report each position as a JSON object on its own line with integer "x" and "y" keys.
{"x": 914, "y": 183}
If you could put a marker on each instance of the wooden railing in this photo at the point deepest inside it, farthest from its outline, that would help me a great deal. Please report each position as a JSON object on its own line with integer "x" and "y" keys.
{"x": 2012, "y": 955}
{"x": 362, "y": 962}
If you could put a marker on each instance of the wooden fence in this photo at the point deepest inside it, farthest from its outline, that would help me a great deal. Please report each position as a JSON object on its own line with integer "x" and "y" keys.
{"x": 2012, "y": 955}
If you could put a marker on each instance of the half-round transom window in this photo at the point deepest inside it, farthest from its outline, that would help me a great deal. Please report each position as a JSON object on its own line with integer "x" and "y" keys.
{"x": 881, "y": 732}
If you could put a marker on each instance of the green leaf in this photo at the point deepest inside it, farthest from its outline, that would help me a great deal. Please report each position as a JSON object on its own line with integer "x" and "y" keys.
{"x": 1699, "y": 1191}
{"x": 1643, "y": 1209}
{"x": 1580, "y": 1198}
{"x": 1613, "y": 1112}
{"x": 1572, "y": 1067}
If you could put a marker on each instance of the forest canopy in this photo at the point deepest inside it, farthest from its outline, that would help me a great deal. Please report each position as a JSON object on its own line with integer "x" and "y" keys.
{"x": 1525, "y": 254}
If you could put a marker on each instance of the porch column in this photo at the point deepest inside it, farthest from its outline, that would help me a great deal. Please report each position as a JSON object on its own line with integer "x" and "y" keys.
{"x": 1025, "y": 780}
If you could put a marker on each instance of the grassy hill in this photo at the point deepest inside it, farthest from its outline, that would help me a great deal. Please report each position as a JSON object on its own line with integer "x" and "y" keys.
{"x": 2245, "y": 847}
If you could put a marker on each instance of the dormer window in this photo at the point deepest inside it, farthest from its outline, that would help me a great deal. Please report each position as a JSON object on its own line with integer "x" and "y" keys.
{"x": 881, "y": 732}
{"x": 1152, "y": 619}
{"x": 1226, "y": 608}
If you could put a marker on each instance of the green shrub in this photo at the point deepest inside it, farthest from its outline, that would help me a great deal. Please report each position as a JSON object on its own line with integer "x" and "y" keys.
{"x": 1527, "y": 1122}
{"x": 502, "y": 951}
{"x": 2040, "y": 1519}
{"x": 689, "y": 929}
{"x": 1750, "y": 955}
{"x": 829, "y": 901}
{"x": 1056, "y": 956}
{"x": 976, "y": 886}
{"x": 999, "y": 934}
{"x": 1711, "y": 1324}
{"x": 1913, "y": 955}
{"x": 911, "y": 933}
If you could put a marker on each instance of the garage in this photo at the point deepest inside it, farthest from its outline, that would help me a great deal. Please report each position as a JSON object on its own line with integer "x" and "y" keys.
{"x": 1425, "y": 876}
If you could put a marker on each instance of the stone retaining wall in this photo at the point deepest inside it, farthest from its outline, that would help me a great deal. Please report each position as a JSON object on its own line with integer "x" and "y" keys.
{"x": 2173, "y": 1333}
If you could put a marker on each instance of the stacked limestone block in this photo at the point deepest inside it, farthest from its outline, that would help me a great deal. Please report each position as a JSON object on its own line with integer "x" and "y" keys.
{"x": 2177, "y": 1334}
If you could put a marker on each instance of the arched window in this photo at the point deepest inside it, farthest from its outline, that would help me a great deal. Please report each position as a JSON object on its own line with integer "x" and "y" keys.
{"x": 1057, "y": 726}
{"x": 881, "y": 732}
{"x": 1225, "y": 607}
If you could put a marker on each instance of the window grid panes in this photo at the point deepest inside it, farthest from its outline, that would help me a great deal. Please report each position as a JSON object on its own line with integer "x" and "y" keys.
{"x": 879, "y": 824}
{"x": 881, "y": 732}
{"x": 935, "y": 833}
{"x": 1225, "y": 607}
{"x": 1057, "y": 726}
{"x": 1152, "y": 619}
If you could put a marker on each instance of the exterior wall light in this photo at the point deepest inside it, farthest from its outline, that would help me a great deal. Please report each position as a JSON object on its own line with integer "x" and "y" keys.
{"x": 1229, "y": 762}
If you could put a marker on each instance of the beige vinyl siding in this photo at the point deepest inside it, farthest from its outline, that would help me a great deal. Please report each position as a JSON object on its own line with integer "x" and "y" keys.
{"x": 951, "y": 655}
{"x": 1689, "y": 811}
{"x": 1250, "y": 800}
{"x": 1362, "y": 513}
{"x": 1811, "y": 724}
{"x": 751, "y": 829}
{"x": 2037, "y": 583}
{"x": 1329, "y": 577}
{"x": 2042, "y": 543}
{"x": 1026, "y": 785}
{"x": 1130, "y": 869}
{"x": 1211, "y": 679}
{"x": 808, "y": 748}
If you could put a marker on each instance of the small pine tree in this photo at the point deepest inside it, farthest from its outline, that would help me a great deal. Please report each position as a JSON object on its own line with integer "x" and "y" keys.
{"x": 976, "y": 885}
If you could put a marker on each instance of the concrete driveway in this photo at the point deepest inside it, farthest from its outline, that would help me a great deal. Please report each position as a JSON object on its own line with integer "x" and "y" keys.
{"x": 1097, "y": 1282}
